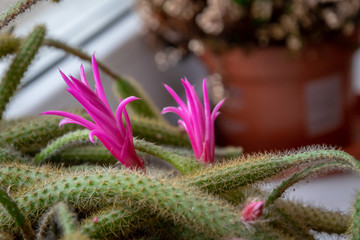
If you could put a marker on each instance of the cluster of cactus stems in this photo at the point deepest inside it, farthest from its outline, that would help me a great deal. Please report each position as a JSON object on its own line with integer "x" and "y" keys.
{"x": 55, "y": 185}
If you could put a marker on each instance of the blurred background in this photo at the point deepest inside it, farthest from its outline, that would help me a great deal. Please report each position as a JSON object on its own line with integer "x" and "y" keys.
{"x": 114, "y": 32}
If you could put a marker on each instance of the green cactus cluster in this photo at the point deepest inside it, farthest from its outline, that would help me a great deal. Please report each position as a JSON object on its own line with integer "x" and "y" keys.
{"x": 55, "y": 184}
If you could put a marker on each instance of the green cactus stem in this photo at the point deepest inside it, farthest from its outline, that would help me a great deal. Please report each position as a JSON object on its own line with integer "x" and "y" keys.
{"x": 15, "y": 176}
{"x": 59, "y": 223}
{"x": 17, "y": 8}
{"x": 250, "y": 169}
{"x": 309, "y": 217}
{"x": 33, "y": 134}
{"x": 89, "y": 191}
{"x": 19, "y": 219}
{"x": 315, "y": 218}
{"x": 47, "y": 225}
{"x": 115, "y": 222}
{"x": 66, "y": 219}
{"x": 92, "y": 154}
{"x": 288, "y": 225}
{"x": 355, "y": 226}
{"x": 70, "y": 139}
{"x": 183, "y": 164}
{"x": 8, "y": 44}
{"x": 8, "y": 155}
{"x": 19, "y": 65}
{"x": 300, "y": 176}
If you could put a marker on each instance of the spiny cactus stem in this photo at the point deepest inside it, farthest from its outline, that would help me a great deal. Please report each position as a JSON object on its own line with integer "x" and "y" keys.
{"x": 70, "y": 139}
{"x": 19, "y": 65}
{"x": 283, "y": 221}
{"x": 34, "y": 133}
{"x": 23, "y": 175}
{"x": 19, "y": 7}
{"x": 250, "y": 169}
{"x": 8, "y": 155}
{"x": 88, "y": 154}
{"x": 315, "y": 218}
{"x": 355, "y": 227}
{"x": 312, "y": 170}
{"x": 8, "y": 44}
{"x": 169, "y": 200}
{"x": 66, "y": 219}
{"x": 115, "y": 222}
{"x": 309, "y": 217}
{"x": 17, "y": 216}
{"x": 183, "y": 164}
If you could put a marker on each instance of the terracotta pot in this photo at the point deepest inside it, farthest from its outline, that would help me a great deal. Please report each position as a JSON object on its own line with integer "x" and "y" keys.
{"x": 278, "y": 101}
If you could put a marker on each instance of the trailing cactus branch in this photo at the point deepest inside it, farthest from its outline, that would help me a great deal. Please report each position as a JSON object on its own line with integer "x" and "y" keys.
{"x": 98, "y": 189}
{"x": 19, "y": 65}
{"x": 250, "y": 169}
{"x": 300, "y": 176}
{"x": 17, "y": 8}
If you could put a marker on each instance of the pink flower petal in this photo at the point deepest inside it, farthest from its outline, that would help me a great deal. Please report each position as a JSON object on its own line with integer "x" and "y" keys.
{"x": 176, "y": 97}
{"x": 119, "y": 112}
{"x": 98, "y": 85}
{"x": 197, "y": 120}
{"x": 252, "y": 211}
{"x": 109, "y": 129}
{"x": 82, "y": 75}
{"x": 75, "y": 117}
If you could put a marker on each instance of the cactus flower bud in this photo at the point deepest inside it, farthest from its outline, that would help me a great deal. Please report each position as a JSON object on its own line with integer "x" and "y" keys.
{"x": 252, "y": 211}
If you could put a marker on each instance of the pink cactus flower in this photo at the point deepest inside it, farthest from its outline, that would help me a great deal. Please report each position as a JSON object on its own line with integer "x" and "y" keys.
{"x": 252, "y": 211}
{"x": 109, "y": 129}
{"x": 197, "y": 120}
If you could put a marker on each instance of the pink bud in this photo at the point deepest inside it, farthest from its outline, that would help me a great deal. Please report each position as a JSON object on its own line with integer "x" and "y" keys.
{"x": 95, "y": 220}
{"x": 252, "y": 211}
